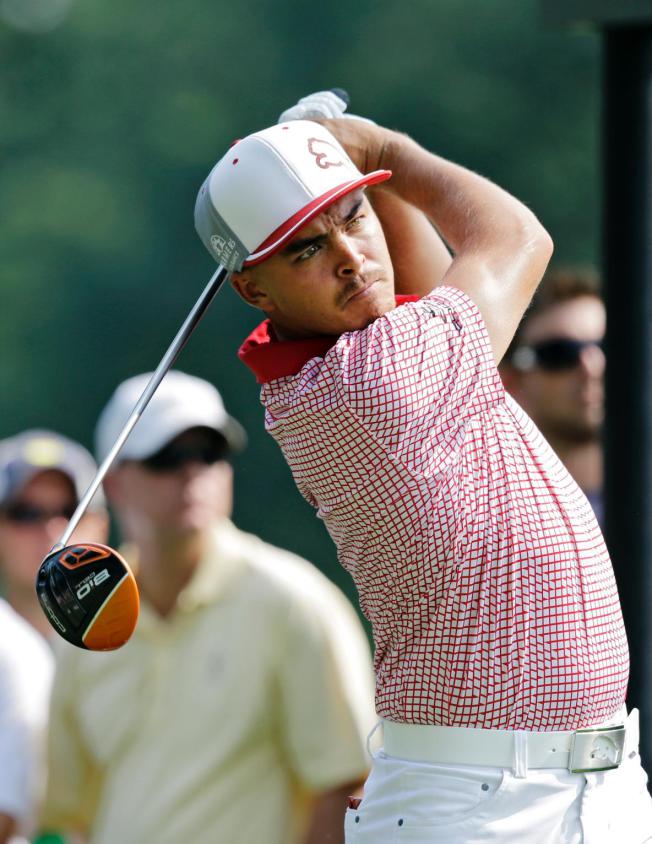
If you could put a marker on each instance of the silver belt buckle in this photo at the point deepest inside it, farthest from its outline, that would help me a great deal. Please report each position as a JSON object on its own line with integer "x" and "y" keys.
{"x": 597, "y": 749}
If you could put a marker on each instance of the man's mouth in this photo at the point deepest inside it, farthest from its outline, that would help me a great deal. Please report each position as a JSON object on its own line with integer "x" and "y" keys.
{"x": 358, "y": 292}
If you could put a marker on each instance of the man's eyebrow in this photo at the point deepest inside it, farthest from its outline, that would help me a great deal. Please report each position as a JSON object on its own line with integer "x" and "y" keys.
{"x": 296, "y": 246}
{"x": 354, "y": 210}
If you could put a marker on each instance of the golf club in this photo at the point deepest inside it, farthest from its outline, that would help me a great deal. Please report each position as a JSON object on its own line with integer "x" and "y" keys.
{"x": 87, "y": 591}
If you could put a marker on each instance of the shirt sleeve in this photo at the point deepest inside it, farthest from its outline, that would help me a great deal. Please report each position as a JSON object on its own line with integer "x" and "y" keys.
{"x": 326, "y": 689}
{"x": 416, "y": 376}
{"x": 72, "y": 785}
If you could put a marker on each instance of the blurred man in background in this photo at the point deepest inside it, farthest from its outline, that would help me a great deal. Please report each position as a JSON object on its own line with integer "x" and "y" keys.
{"x": 238, "y": 710}
{"x": 555, "y": 368}
{"x": 42, "y": 477}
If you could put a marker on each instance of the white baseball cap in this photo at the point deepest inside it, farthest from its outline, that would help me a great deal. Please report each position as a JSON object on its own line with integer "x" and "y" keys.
{"x": 181, "y": 402}
{"x": 268, "y": 186}
{"x": 25, "y": 455}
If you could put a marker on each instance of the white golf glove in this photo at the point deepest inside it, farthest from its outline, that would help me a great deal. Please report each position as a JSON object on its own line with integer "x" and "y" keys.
{"x": 320, "y": 104}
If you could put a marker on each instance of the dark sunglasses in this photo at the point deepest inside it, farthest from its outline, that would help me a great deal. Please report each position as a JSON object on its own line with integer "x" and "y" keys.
{"x": 30, "y": 514}
{"x": 175, "y": 456}
{"x": 554, "y": 355}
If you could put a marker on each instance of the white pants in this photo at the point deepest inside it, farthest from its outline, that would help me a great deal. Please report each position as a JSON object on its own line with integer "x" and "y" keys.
{"x": 422, "y": 803}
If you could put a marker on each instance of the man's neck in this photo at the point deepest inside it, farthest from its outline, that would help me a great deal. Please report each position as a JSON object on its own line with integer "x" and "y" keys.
{"x": 166, "y": 566}
{"x": 584, "y": 461}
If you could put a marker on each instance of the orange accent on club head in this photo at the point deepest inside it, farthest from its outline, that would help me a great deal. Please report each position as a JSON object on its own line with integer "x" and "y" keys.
{"x": 84, "y": 553}
{"x": 116, "y": 619}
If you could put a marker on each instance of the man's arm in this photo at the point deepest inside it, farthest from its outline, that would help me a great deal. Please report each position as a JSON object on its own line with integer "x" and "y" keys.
{"x": 325, "y": 697}
{"x": 7, "y": 827}
{"x": 73, "y": 780}
{"x": 500, "y": 249}
{"x": 327, "y": 819}
{"x": 419, "y": 255}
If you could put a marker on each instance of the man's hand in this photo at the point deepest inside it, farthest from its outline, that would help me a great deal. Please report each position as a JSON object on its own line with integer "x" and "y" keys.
{"x": 7, "y": 827}
{"x": 320, "y": 104}
{"x": 327, "y": 819}
{"x": 327, "y": 108}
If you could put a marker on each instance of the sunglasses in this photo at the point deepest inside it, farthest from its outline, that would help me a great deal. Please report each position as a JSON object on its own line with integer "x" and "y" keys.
{"x": 176, "y": 455}
{"x": 31, "y": 514}
{"x": 554, "y": 355}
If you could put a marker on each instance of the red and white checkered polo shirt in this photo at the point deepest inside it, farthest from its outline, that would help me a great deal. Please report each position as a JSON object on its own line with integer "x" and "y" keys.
{"x": 478, "y": 560}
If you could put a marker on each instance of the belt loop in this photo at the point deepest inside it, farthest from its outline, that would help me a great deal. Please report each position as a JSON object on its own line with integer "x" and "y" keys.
{"x": 371, "y": 735}
{"x": 520, "y": 754}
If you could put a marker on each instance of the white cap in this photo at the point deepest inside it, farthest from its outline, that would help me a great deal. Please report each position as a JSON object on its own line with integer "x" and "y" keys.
{"x": 31, "y": 452}
{"x": 268, "y": 186}
{"x": 181, "y": 402}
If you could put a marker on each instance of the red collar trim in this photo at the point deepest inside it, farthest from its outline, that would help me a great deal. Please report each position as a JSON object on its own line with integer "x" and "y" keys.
{"x": 269, "y": 358}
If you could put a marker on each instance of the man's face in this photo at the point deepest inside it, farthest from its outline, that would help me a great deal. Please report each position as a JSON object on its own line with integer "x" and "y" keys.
{"x": 335, "y": 275}
{"x": 184, "y": 489}
{"x": 566, "y": 402}
{"x": 34, "y": 521}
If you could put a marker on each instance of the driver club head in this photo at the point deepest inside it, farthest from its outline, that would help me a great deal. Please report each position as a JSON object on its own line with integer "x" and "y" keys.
{"x": 89, "y": 595}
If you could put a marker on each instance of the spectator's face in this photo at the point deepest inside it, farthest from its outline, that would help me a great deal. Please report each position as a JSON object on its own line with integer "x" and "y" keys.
{"x": 184, "y": 493}
{"x": 335, "y": 275}
{"x": 567, "y": 402}
{"x": 35, "y": 520}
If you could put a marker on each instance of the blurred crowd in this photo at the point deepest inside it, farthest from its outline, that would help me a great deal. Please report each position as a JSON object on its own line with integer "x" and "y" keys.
{"x": 240, "y": 708}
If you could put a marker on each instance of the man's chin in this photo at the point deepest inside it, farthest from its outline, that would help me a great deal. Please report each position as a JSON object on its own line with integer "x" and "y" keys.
{"x": 369, "y": 305}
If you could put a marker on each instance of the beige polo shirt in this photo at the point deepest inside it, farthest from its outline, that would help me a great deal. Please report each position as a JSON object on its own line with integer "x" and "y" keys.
{"x": 216, "y": 723}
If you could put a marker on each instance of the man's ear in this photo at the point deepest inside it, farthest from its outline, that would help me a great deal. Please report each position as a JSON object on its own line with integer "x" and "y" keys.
{"x": 245, "y": 283}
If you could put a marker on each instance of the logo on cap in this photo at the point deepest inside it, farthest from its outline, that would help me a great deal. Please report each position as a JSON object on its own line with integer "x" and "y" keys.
{"x": 322, "y": 155}
{"x": 43, "y": 451}
{"x": 224, "y": 249}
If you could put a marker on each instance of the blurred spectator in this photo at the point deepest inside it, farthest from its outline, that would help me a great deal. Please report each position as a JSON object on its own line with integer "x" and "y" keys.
{"x": 26, "y": 667}
{"x": 555, "y": 366}
{"x": 239, "y": 709}
{"x": 42, "y": 477}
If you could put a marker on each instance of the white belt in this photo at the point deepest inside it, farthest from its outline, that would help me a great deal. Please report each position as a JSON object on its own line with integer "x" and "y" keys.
{"x": 598, "y": 748}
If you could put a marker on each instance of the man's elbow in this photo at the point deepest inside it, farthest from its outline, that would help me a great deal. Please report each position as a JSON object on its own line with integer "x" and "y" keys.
{"x": 536, "y": 241}
{"x": 532, "y": 253}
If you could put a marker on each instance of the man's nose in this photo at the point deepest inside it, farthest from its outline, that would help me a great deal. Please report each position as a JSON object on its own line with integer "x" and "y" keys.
{"x": 592, "y": 360}
{"x": 350, "y": 258}
{"x": 54, "y": 527}
{"x": 192, "y": 469}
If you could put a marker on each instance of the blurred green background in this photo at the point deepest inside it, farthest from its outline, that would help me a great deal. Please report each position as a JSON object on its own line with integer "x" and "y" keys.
{"x": 112, "y": 113}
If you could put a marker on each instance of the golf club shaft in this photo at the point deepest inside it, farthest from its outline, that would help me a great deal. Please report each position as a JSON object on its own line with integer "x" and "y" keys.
{"x": 167, "y": 361}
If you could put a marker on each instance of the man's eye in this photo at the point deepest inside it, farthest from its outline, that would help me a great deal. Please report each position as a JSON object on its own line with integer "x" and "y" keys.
{"x": 356, "y": 221}
{"x": 309, "y": 252}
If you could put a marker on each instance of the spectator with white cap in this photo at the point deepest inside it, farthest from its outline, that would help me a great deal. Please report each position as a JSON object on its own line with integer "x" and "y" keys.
{"x": 248, "y": 680}
{"x": 42, "y": 476}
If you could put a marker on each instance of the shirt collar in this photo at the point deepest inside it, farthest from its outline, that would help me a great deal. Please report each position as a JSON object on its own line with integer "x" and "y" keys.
{"x": 269, "y": 358}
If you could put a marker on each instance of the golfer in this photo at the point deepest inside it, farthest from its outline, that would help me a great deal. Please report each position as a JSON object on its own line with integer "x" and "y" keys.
{"x": 500, "y": 654}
